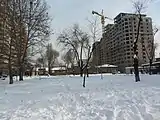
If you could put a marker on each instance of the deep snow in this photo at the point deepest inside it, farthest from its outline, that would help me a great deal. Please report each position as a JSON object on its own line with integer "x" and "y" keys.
{"x": 116, "y": 97}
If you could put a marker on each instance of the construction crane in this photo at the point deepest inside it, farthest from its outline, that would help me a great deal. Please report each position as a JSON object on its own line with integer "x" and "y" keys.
{"x": 102, "y": 19}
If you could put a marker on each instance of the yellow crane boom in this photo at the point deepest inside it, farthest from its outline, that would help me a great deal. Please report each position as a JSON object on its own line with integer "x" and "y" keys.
{"x": 102, "y": 19}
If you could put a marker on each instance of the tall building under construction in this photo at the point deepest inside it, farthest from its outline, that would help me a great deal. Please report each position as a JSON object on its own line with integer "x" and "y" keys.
{"x": 116, "y": 46}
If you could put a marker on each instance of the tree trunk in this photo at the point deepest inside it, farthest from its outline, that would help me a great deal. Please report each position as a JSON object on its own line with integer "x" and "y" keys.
{"x": 80, "y": 64}
{"x": 84, "y": 80}
{"x": 31, "y": 71}
{"x": 49, "y": 70}
{"x": 10, "y": 65}
{"x": 81, "y": 72}
{"x": 87, "y": 73}
{"x": 44, "y": 70}
{"x": 136, "y": 70}
{"x": 20, "y": 73}
{"x": 73, "y": 70}
{"x": 35, "y": 71}
{"x": 10, "y": 73}
{"x": 150, "y": 66}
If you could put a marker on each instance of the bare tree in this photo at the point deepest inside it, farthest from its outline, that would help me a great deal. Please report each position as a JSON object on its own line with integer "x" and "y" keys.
{"x": 28, "y": 27}
{"x": 94, "y": 35}
{"x": 4, "y": 34}
{"x": 12, "y": 34}
{"x": 81, "y": 44}
{"x": 139, "y": 7}
{"x": 42, "y": 57}
{"x": 34, "y": 23}
{"x": 41, "y": 62}
{"x": 69, "y": 58}
{"x": 51, "y": 56}
{"x": 76, "y": 40}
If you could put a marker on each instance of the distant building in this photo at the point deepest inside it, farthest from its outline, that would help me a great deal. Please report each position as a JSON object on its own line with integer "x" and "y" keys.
{"x": 116, "y": 46}
{"x": 96, "y": 53}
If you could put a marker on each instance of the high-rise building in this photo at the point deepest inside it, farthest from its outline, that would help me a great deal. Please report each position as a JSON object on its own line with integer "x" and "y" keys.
{"x": 116, "y": 46}
{"x": 10, "y": 39}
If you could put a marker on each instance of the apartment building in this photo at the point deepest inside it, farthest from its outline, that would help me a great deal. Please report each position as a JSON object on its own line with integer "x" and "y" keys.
{"x": 116, "y": 46}
{"x": 4, "y": 37}
{"x": 10, "y": 39}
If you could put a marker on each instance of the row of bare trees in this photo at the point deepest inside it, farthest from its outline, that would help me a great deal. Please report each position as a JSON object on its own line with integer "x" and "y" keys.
{"x": 27, "y": 26}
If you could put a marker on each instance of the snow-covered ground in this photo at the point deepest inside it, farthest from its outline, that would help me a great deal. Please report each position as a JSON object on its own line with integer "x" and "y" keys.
{"x": 116, "y": 97}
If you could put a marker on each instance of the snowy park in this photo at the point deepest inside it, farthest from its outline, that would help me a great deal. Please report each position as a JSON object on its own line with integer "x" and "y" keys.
{"x": 115, "y": 97}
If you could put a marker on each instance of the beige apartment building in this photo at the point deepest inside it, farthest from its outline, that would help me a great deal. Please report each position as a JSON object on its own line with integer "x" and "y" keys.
{"x": 116, "y": 46}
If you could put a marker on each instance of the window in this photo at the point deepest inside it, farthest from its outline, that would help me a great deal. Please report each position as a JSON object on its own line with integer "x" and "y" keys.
{"x": 126, "y": 23}
{"x": 126, "y": 31}
{"x": 126, "y": 26}
{"x": 127, "y": 42}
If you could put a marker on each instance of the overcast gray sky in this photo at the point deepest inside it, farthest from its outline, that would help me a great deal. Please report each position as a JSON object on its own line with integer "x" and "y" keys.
{"x": 67, "y": 12}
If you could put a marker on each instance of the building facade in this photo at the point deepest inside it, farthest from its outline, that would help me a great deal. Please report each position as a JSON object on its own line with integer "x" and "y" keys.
{"x": 96, "y": 54}
{"x": 116, "y": 46}
{"x": 12, "y": 36}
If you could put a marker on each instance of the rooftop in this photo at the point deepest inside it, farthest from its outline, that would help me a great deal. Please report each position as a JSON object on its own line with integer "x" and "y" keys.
{"x": 123, "y": 14}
